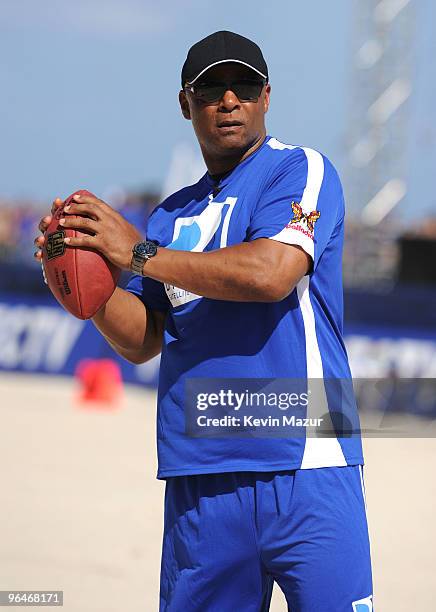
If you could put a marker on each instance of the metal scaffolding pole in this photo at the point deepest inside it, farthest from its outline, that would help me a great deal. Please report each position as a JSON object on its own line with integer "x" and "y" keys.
{"x": 376, "y": 176}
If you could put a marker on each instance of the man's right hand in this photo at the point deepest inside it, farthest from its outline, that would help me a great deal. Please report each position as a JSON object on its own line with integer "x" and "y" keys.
{"x": 42, "y": 226}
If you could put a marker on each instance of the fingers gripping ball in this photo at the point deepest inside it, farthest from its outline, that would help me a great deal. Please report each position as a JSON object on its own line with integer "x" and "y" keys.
{"x": 81, "y": 279}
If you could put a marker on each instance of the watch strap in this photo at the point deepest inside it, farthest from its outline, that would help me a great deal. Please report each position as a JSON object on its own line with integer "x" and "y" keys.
{"x": 137, "y": 264}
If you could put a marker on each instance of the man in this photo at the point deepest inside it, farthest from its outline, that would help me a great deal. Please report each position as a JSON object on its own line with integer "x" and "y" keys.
{"x": 240, "y": 279}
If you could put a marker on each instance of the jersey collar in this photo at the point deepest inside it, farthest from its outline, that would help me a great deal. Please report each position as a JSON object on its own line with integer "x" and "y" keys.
{"x": 224, "y": 179}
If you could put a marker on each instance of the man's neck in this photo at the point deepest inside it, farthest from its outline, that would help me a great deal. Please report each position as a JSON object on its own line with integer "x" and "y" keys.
{"x": 223, "y": 165}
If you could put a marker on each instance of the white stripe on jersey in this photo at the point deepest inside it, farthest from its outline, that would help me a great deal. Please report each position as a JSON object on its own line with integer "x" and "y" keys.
{"x": 363, "y": 485}
{"x": 318, "y": 452}
{"x": 309, "y": 199}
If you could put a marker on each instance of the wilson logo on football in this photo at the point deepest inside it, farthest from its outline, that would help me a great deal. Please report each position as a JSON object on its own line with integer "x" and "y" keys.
{"x": 300, "y": 219}
{"x": 55, "y": 245}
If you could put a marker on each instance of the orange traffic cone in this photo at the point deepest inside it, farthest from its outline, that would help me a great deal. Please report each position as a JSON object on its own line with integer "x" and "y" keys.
{"x": 100, "y": 382}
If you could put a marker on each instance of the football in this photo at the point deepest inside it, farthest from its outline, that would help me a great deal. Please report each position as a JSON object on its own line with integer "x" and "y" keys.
{"x": 81, "y": 279}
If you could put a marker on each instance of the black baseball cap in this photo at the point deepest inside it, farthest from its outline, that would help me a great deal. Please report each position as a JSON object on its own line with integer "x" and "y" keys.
{"x": 219, "y": 48}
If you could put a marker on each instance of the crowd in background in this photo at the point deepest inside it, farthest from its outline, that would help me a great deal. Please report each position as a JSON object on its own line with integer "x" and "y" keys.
{"x": 19, "y": 222}
{"x": 371, "y": 254}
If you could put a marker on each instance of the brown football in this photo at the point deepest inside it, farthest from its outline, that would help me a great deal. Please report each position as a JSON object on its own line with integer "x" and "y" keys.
{"x": 81, "y": 279}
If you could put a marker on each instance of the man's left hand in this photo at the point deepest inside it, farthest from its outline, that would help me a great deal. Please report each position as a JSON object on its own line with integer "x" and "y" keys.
{"x": 110, "y": 233}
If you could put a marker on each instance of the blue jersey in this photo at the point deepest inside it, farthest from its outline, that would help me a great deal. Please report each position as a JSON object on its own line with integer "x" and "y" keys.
{"x": 287, "y": 193}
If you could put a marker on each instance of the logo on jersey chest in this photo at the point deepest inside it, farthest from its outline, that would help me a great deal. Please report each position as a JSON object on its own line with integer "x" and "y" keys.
{"x": 195, "y": 233}
{"x": 301, "y": 221}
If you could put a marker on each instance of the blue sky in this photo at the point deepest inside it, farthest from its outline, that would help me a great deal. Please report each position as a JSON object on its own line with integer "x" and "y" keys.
{"x": 89, "y": 88}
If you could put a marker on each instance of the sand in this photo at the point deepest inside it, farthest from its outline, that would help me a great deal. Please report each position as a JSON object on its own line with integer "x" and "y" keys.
{"x": 81, "y": 509}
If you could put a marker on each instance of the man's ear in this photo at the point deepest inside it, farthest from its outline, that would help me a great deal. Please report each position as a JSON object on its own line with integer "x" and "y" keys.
{"x": 184, "y": 105}
{"x": 266, "y": 98}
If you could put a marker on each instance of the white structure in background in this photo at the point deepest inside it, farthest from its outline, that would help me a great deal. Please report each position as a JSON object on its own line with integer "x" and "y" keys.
{"x": 186, "y": 168}
{"x": 377, "y": 135}
{"x": 382, "y": 74}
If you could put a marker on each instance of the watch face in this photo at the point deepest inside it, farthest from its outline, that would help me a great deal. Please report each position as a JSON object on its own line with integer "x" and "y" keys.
{"x": 145, "y": 249}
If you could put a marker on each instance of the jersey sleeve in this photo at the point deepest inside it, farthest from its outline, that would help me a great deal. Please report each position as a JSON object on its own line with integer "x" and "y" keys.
{"x": 150, "y": 292}
{"x": 302, "y": 204}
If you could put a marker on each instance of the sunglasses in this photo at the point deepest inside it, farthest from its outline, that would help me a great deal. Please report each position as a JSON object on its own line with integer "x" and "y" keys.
{"x": 246, "y": 90}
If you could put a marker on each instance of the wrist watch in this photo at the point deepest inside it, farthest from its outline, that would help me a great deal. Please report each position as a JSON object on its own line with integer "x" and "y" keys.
{"x": 142, "y": 252}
